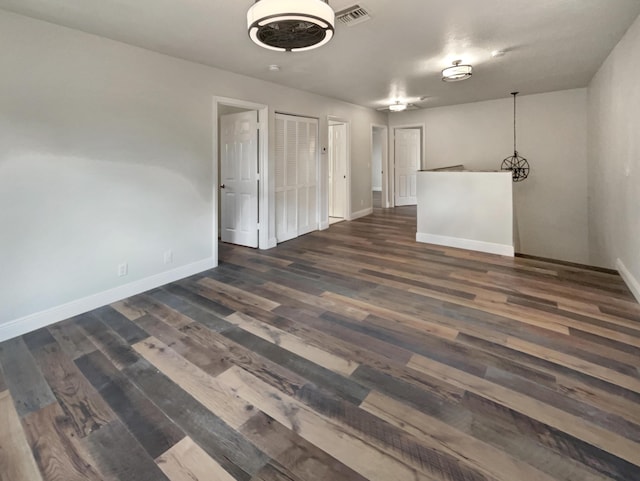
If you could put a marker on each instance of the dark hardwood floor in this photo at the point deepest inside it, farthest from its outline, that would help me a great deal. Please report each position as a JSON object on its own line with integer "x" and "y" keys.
{"x": 348, "y": 354}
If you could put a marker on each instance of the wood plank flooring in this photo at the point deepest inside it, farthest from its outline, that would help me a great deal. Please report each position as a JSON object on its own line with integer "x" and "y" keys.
{"x": 349, "y": 354}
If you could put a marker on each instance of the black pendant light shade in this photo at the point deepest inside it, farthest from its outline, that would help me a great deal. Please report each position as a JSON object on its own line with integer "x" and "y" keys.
{"x": 518, "y": 165}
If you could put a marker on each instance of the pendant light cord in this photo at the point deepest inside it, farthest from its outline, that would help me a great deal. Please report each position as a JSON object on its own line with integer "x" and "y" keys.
{"x": 515, "y": 151}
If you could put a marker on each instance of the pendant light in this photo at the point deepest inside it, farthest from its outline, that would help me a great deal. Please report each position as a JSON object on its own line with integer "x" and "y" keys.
{"x": 291, "y": 25}
{"x": 519, "y": 166}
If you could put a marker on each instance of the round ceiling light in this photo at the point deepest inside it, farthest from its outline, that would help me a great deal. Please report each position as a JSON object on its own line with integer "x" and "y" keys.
{"x": 291, "y": 25}
{"x": 397, "y": 107}
{"x": 457, "y": 72}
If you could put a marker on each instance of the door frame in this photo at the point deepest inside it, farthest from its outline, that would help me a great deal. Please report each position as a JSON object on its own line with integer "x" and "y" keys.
{"x": 332, "y": 119}
{"x": 391, "y": 173}
{"x": 385, "y": 163}
{"x": 263, "y": 172}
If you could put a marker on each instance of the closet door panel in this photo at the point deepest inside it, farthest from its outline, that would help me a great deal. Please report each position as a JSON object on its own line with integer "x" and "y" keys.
{"x": 296, "y": 176}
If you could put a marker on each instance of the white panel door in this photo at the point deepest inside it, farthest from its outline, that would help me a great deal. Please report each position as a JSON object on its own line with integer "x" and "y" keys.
{"x": 239, "y": 178}
{"x": 296, "y": 176}
{"x": 307, "y": 175}
{"x": 407, "y": 163}
{"x": 337, "y": 170}
{"x": 286, "y": 179}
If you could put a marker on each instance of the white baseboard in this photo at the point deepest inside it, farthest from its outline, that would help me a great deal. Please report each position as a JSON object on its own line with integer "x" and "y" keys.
{"x": 271, "y": 243}
{"x": 361, "y": 213}
{"x": 18, "y": 327}
{"x": 631, "y": 281}
{"x": 469, "y": 244}
{"x": 323, "y": 225}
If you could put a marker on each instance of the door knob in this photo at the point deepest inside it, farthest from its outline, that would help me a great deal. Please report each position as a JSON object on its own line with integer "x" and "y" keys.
{"x": 222, "y": 186}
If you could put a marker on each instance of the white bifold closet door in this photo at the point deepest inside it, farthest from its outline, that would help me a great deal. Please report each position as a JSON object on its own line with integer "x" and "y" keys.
{"x": 296, "y": 176}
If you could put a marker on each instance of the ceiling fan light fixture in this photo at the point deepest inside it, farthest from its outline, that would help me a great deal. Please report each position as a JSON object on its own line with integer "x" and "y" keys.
{"x": 457, "y": 72}
{"x": 398, "y": 107}
{"x": 291, "y": 25}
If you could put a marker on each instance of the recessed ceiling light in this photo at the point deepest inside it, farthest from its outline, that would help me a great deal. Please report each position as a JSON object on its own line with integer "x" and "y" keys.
{"x": 291, "y": 25}
{"x": 457, "y": 72}
{"x": 274, "y": 68}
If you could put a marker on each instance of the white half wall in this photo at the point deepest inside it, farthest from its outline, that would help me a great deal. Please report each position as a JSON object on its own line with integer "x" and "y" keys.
{"x": 614, "y": 161}
{"x": 550, "y": 207}
{"x": 106, "y": 157}
{"x": 468, "y": 210}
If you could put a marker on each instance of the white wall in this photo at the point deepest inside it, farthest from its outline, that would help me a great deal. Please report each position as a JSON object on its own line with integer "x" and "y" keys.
{"x": 550, "y": 206}
{"x": 106, "y": 157}
{"x": 614, "y": 160}
{"x": 376, "y": 159}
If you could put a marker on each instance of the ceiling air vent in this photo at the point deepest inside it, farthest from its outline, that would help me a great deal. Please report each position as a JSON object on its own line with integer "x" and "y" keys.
{"x": 353, "y": 15}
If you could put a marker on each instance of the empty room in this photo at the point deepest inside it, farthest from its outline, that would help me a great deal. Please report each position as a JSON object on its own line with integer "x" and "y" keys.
{"x": 310, "y": 240}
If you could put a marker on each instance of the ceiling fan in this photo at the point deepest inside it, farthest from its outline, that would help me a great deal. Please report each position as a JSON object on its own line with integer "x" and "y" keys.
{"x": 400, "y": 106}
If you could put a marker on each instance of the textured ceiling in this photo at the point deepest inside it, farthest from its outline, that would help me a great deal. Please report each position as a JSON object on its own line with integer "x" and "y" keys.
{"x": 398, "y": 54}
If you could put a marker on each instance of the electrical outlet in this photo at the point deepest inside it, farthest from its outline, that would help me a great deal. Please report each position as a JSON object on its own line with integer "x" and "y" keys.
{"x": 168, "y": 257}
{"x": 361, "y": 202}
{"x": 123, "y": 269}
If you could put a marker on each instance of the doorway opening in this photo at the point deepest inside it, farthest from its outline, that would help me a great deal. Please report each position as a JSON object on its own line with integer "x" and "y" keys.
{"x": 379, "y": 151}
{"x": 240, "y": 151}
{"x": 339, "y": 170}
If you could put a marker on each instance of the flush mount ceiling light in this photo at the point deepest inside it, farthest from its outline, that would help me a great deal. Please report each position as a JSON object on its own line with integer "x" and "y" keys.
{"x": 398, "y": 107}
{"x": 457, "y": 72}
{"x": 291, "y": 25}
